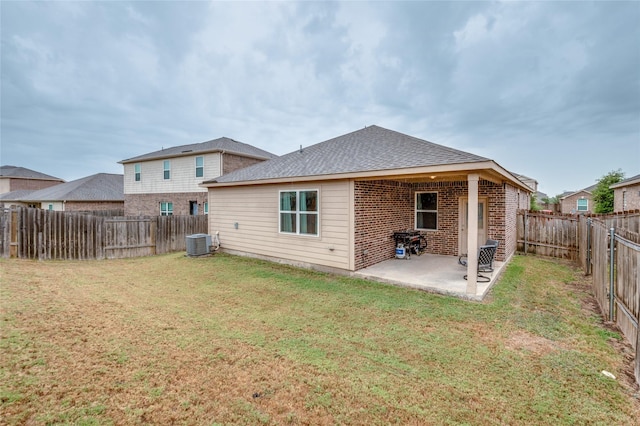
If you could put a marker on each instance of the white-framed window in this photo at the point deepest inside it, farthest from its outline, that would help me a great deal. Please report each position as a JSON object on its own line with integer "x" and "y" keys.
{"x": 427, "y": 210}
{"x": 166, "y": 209}
{"x": 583, "y": 205}
{"x": 206, "y": 207}
{"x": 624, "y": 199}
{"x": 199, "y": 166}
{"x": 138, "y": 172}
{"x": 299, "y": 212}
{"x": 167, "y": 169}
{"x": 50, "y": 206}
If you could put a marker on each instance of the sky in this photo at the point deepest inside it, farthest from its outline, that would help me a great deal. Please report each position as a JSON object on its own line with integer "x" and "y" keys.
{"x": 550, "y": 90}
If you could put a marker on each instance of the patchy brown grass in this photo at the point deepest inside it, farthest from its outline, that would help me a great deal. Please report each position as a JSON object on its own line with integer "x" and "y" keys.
{"x": 227, "y": 340}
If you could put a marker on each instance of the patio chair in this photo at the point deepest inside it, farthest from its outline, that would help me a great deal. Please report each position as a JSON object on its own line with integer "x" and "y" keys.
{"x": 486, "y": 254}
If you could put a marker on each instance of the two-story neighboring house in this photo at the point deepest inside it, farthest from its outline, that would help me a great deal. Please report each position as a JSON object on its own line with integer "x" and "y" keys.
{"x": 167, "y": 182}
{"x": 13, "y": 178}
{"x": 626, "y": 194}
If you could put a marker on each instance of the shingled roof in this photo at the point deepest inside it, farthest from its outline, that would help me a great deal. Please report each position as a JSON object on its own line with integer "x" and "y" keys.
{"x": 216, "y": 145}
{"x": 98, "y": 187}
{"x": 24, "y": 173}
{"x": 370, "y": 149}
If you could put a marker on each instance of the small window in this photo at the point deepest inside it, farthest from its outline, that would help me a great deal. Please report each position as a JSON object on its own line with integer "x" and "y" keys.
{"x": 624, "y": 200}
{"x": 206, "y": 207}
{"x": 166, "y": 209}
{"x": 138, "y": 172}
{"x": 583, "y": 205}
{"x": 199, "y": 166}
{"x": 299, "y": 212}
{"x": 427, "y": 210}
{"x": 50, "y": 206}
{"x": 167, "y": 169}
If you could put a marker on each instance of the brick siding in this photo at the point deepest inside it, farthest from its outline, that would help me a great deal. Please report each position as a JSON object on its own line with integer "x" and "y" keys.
{"x": 80, "y": 206}
{"x": 231, "y": 162}
{"x": 31, "y": 184}
{"x": 632, "y": 198}
{"x": 149, "y": 204}
{"x": 569, "y": 205}
{"x": 383, "y": 207}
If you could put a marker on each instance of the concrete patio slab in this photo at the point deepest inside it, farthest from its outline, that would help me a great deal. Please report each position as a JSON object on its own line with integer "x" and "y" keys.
{"x": 432, "y": 273}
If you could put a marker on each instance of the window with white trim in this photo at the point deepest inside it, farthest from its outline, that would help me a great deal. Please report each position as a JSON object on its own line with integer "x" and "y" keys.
{"x": 583, "y": 205}
{"x": 199, "y": 166}
{"x": 166, "y": 209}
{"x": 167, "y": 169}
{"x": 206, "y": 207}
{"x": 427, "y": 210}
{"x": 138, "y": 172}
{"x": 299, "y": 212}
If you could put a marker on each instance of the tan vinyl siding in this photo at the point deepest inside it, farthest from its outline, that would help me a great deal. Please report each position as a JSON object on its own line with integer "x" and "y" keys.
{"x": 255, "y": 210}
{"x": 183, "y": 175}
{"x": 58, "y": 206}
{"x": 5, "y": 186}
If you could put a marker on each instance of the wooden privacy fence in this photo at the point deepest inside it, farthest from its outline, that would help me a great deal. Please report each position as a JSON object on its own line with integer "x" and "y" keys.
{"x": 42, "y": 234}
{"x": 607, "y": 247}
{"x": 547, "y": 235}
{"x": 612, "y": 257}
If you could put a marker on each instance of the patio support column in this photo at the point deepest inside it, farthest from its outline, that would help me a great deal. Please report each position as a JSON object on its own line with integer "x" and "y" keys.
{"x": 472, "y": 235}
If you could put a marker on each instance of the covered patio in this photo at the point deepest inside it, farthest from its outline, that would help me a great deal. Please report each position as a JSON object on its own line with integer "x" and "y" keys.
{"x": 432, "y": 273}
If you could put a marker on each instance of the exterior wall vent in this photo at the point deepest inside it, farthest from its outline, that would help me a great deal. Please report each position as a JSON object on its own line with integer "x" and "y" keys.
{"x": 198, "y": 244}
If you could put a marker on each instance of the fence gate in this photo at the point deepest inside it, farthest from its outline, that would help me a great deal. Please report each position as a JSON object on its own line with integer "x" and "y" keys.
{"x": 129, "y": 237}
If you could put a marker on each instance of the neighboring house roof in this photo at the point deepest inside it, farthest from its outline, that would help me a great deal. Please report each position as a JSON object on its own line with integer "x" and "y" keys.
{"x": 24, "y": 173}
{"x": 540, "y": 195}
{"x": 631, "y": 181}
{"x": 98, "y": 187}
{"x": 588, "y": 189}
{"x": 370, "y": 149}
{"x": 526, "y": 180}
{"x": 16, "y": 195}
{"x": 216, "y": 145}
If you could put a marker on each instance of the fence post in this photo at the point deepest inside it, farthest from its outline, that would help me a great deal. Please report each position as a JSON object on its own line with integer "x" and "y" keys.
{"x": 526, "y": 248}
{"x": 588, "y": 265}
{"x": 637, "y": 369}
{"x": 13, "y": 240}
{"x": 612, "y": 243}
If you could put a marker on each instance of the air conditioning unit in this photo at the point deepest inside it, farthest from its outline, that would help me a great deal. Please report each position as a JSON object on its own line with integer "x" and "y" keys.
{"x": 198, "y": 244}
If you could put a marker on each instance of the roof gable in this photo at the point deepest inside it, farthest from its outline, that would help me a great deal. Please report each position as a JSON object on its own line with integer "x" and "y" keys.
{"x": 588, "y": 189}
{"x": 370, "y": 149}
{"x": 215, "y": 145}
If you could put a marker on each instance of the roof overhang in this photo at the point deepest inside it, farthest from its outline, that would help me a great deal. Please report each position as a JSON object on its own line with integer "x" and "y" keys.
{"x": 487, "y": 170}
{"x": 629, "y": 182}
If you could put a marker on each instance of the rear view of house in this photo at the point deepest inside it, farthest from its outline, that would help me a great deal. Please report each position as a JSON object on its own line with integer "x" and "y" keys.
{"x": 167, "y": 182}
{"x": 337, "y": 204}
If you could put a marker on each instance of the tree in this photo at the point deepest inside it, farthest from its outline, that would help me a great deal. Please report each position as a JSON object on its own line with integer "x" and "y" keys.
{"x": 603, "y": 195}
{"x": 533, "y": 204}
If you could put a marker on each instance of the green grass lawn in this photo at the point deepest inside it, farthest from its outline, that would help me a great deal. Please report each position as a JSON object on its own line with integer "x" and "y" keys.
{"x": 231, "y": 340}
